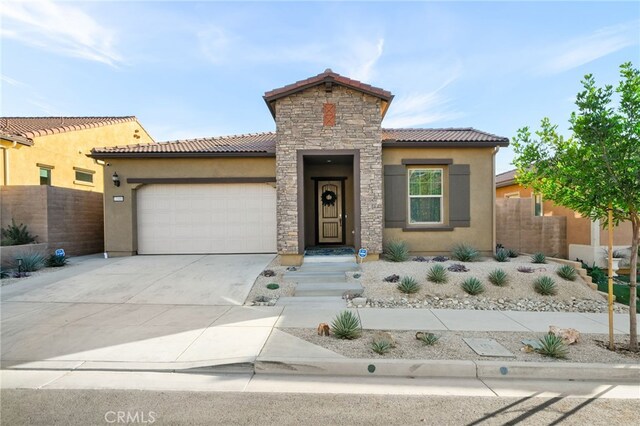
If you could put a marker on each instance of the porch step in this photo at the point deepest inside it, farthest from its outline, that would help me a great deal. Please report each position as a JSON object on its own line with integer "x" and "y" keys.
{"x": 343, "y": 258}
{"x": 328, "y": 266}
{"x": 325, "y": 289}
{"x": 315, "y": 277}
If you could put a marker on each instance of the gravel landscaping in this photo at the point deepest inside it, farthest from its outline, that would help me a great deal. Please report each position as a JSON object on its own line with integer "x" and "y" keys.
{"x": 517, "y": 295}
{"x": 261, "y": 295}
{"x": 451, "y": 346}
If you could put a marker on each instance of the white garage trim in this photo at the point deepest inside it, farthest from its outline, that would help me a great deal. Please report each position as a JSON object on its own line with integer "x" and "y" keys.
{"x": 206, "y": 218}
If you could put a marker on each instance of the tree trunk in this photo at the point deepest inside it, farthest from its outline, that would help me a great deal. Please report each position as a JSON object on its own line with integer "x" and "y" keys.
{"x": 633, "y": 274}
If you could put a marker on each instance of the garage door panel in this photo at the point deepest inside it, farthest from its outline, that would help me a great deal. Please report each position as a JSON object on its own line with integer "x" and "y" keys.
{"x": 206, "y": 218}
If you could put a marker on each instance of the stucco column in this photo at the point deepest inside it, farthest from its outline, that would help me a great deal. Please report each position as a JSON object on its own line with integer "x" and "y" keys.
{"x": 595, "y": 233}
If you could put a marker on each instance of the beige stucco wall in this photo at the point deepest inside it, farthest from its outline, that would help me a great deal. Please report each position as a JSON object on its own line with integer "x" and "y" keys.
{"x": 120, "y": 218}
{"x": 481, "y": 232}
{"x": 64, "y": 151}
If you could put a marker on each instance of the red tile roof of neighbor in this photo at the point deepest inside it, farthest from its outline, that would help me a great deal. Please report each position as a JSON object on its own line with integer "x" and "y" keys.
{"x": 27, "y": 128}
{"x": 264, "y": 144}
{"x": 506, "y": 178}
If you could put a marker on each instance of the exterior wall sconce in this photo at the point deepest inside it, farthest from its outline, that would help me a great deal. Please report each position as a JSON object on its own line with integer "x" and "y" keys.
{"x": 116, "y": 179}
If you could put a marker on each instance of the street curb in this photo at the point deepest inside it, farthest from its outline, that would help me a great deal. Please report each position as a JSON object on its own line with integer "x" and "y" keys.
{"x": 505, "y": 369}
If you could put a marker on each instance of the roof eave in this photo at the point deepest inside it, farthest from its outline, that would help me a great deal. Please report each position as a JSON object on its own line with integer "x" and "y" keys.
{"x": 107, "y": 155}
{"x": 505, "y": 183}
{"x": 390, "y": 143}
{"x": 17, "y": 139}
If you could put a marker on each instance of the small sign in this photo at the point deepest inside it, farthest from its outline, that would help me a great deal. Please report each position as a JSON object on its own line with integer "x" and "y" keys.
{"x": 60, "y": 252}
{"x": 118, "y": 198}
{"x": 362, "y": 253}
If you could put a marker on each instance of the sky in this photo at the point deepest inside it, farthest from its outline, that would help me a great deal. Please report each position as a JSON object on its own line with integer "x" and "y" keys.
{"x": 199, "y": 69}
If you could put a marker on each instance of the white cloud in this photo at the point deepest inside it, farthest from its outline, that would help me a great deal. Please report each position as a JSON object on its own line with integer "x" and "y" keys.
{"x": 46, "y": 108}
{"x": 585, "y": 49}
{"x": 11, "y": 81}
{"x": 419, "y": 109}
{"x": 63, "y": 28}
{"x": 356, "y": 56}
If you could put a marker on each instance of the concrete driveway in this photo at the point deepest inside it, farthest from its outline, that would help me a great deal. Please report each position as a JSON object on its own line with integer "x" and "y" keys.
{"x": 150, "y": 312}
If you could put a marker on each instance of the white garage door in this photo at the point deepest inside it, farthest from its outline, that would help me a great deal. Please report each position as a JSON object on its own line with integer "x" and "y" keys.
{"x": 206, "y": 218}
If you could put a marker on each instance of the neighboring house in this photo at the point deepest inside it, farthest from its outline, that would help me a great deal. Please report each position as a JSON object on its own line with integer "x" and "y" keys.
{"x": 583, "y": 238}
{"x": 48, "y": 182}
{"x": 329, "y": 175}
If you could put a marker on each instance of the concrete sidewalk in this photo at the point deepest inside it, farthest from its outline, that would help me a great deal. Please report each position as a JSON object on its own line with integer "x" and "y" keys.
{"x": 169, "y": 337}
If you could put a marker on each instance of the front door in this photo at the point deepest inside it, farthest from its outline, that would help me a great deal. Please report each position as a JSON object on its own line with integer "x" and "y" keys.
{"x": 330, "y": 211}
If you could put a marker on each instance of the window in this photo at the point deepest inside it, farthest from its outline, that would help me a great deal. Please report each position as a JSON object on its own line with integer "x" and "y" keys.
{"x": 537, "y": 205}
{"x": 45, "y": 176}
{"x": 84, "y": 176}
{"x": 425, "y": 196}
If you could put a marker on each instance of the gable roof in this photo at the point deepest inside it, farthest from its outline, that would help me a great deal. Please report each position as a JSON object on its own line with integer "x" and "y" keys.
{"x": 24, "y": 129}
{"x": 264, "y": 144}
{"x": 328, "y": 78}
{"x": 506, "y": 178}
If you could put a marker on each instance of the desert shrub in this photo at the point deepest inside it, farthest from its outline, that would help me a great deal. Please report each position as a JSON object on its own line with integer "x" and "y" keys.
{"x": 472, "y": 286}
{"x": 380, "y": 346}
{"x": 538, "y": 258}
{"x": 30, "y": 262}
{"x": 56, "y": 261}
{"x": 553, "y": 346}
{"x": 273, "y": 286}
{"x": 464, "y": 253}
{"x": 440, "y": 259}
{"x": 498, "y": 277}
{"x": 545, "y": 286}
{"x": 3, "y": 273}
{"x": 437, "y": 274}
{"x": 346, "y": 325}
{"x": 396, "y": 251}
{"x": 408, "y": 285}
{"x": 428, "y": 339}
{"x": 567, "y": 272}
{"x": 15, "y": 235}
{"x": 501, "y": 255}
{"x": 512, "y": 253}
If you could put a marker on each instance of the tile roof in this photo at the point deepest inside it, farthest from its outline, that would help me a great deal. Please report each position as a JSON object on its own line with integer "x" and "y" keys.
{"x": 253, "y": 143}
{"x": 506, "y": 178}
{"x": 265, "y": 143}
{"x": 31, "y": 127}
{"x": 327, "y": 76}
{"x": 464, "y": 134}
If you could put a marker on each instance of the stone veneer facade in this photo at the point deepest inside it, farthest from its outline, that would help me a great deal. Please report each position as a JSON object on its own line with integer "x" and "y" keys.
{"x": 299, "y": 126}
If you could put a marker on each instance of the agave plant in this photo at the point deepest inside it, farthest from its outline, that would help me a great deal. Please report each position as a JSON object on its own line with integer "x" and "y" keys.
{"x": 545, "y": 286}
{"x": 428, "y": 339}
{"x": 472, "y": 286}
{"x": 512, "y": 253}
{"x": 498, "y": 277}
{"x": 380, "y": 346}
{"x": 501, "y": 255}
{"x": 396, "y": 251}
{"x": 553, "y": 346}
{"x": 57, "y": 261}
{"x": 438, "y": 274}
{"x": 567, "y": 272}
{"x": 346, "y": 325}
{"x": 30, "y": 262}
{"x": 464, "y": 253}
{"x": 408, "y": 285}
{"x": 538, "y": 258}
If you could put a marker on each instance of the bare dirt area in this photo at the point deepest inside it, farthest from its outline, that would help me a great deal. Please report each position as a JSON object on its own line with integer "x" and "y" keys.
{"x": 450, "y": 345}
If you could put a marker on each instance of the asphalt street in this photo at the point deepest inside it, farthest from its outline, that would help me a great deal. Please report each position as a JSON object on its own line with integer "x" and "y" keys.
{"x": 103, "y": 407}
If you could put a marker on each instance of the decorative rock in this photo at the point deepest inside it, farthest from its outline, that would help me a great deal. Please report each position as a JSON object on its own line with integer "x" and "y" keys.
{"x": 569, "y": 335}
{"x": 359, "y": 302}
{"x": 384, "y": 335}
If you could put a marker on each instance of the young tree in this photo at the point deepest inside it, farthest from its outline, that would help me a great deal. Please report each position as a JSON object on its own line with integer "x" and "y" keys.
{"x": 598, "y": 165}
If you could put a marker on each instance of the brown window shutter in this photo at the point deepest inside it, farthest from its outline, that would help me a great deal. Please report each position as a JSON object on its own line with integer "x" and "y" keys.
{"x": 329, "y": 115}
{"x": 395, "y": 196}
{"x": 459, "y": 196}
